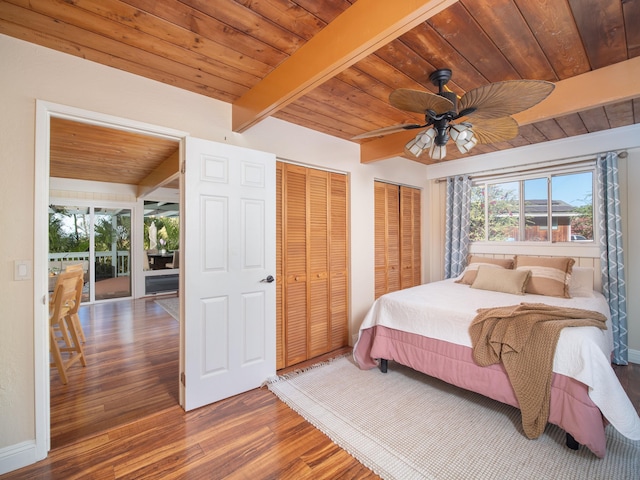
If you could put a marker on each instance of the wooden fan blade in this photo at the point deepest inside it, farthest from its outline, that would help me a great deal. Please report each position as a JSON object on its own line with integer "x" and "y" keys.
{"x": 493, "y": 130}
{"x": 418, "y": 101}
{"x": 388, "y": 130}
{"x": 502, "y": 99}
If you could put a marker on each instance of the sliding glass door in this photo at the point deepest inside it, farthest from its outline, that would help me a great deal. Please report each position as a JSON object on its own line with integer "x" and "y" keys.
{"x": 100, "y": 240}
{"x": 112, "y": 243}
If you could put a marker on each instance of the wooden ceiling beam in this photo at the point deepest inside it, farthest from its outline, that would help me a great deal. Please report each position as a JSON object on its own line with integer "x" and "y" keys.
{"x": 166, "y": 172}
{"x": 604, "y": 86}
{"x": 359, "y": 31}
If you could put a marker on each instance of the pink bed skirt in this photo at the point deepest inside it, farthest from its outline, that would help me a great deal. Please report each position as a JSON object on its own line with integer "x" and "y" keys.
{"x": 571, "y": 408}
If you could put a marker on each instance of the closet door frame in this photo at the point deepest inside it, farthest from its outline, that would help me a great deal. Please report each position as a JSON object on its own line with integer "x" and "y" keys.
{"x": 397, "y": 240}
{"x": 290, "y": 328}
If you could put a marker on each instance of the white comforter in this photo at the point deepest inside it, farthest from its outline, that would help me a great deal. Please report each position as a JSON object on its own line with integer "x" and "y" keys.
{"x": 444, "y": 310}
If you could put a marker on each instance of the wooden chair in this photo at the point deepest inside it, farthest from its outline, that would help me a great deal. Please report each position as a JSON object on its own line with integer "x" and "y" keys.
{"x": 75, "y": 270}
{"x": 175, "y": 262}
{"x": 68, "y": 340}
{"x": 73, "y": 310}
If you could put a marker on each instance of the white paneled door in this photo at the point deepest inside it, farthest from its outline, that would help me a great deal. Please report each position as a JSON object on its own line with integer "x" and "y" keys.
{"x": 229, "y": 255}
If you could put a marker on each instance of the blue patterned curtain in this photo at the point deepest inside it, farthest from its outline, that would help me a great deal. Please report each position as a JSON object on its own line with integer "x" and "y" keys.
{"x": 457, "y": 225}
{"x": 611, "y": 253}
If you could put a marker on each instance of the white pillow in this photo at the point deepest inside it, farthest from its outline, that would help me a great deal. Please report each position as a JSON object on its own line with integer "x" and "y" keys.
{"x": 581, "y": 283}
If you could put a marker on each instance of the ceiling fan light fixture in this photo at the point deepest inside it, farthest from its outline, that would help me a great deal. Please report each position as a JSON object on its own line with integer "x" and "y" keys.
{"x": 467, "y": 145}
{"x": 461, "y": 132}
{"x": 438, "y": 152}
{"x": 463, "y": 136}
{"x": 421, "y": 142}
{"x": 488, "y": 107}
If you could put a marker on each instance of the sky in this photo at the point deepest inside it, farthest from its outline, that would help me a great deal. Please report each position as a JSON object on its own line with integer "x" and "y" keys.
{"x": 575, "y": 189}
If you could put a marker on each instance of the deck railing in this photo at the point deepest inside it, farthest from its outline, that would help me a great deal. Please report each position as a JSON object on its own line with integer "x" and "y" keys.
{"x": 108, "y": 264}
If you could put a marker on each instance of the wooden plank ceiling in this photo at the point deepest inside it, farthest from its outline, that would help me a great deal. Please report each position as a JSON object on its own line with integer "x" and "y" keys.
{"x": 330, "y": 65}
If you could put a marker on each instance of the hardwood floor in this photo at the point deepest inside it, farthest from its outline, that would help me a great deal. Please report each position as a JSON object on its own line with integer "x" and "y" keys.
{"x": 133, "y": 434}
{"x": 132, "y": 370}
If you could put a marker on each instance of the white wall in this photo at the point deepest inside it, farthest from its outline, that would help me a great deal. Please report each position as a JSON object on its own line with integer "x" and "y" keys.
{"x": 30, "y": 72}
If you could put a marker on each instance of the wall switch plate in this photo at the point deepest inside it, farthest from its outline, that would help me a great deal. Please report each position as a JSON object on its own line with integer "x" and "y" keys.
{"x": 22, "y": 270}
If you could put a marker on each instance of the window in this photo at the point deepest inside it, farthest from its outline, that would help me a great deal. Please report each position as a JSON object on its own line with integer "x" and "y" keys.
{"x": 161, "y": 226}
{"x": 161, "y": 242}
{"x": 543, "y": 208}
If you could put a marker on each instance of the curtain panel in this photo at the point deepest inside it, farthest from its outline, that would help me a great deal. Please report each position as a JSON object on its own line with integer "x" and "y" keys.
{"x": 611, "y": 252}
{"x": 457, "y": 225}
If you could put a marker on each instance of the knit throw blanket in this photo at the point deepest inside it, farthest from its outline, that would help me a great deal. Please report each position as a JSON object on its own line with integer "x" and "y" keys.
{"x": 523, "y": 337}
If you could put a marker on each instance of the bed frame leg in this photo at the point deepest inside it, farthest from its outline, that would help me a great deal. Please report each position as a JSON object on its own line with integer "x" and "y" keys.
{"x": 384, "y": 363}
{"x": 571, "y": 442}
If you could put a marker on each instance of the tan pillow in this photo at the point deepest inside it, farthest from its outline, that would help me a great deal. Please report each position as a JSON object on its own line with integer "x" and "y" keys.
{"x": 501, "y": 280}
{"x": 474, "y": 261}
{"x": 549, "y": 275}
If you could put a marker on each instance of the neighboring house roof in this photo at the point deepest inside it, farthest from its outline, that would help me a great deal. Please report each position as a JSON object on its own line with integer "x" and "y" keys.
{"x": 559, "y": 208}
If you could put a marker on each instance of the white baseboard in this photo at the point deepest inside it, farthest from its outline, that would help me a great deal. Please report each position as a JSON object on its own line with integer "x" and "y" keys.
{"x": 17, "y": 456}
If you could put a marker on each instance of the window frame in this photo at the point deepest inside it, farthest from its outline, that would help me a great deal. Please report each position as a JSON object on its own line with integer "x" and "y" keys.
{"x": 520, "y": 178}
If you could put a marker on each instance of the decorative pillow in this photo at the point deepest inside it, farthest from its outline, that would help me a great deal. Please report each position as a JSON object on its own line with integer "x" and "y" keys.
{"x": 549, "y": 275}
{"x": 474, "y": 261}
{"x": 581, "y": 283}
{"x": 501, "y": 280}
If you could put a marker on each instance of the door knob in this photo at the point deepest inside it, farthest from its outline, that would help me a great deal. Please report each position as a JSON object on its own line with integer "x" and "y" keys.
{"x": 269, "y": 279}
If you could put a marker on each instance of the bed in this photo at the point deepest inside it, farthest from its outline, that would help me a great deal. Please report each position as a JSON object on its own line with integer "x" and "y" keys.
{"x": 427, "y": 328}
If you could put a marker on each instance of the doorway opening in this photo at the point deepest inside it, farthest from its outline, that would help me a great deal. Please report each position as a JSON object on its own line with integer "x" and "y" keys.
{"x": 109, "y": 381}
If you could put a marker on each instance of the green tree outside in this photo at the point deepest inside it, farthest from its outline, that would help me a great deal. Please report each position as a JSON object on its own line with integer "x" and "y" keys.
{"x": 168, "y": 228}
{"x": 503, "y": 213}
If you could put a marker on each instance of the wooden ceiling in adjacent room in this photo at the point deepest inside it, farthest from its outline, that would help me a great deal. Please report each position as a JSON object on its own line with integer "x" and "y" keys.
{"x": 331, "y": 65}
{"x": 83, "y": 151}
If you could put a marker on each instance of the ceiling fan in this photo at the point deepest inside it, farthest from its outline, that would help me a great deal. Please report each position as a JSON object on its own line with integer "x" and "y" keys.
{"x": 484, "y": 114}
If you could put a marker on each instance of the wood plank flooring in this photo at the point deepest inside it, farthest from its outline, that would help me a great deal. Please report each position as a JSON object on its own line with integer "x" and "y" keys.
{"x": 129, "y": 433}
{"x": 132, "y": 370}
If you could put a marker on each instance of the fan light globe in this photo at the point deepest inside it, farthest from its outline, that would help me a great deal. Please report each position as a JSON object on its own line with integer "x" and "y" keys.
{"x": 461, "y": 132}
{"x": 422, "y": 142}
{"x": 467, "y": 145}
{"x": 438, "y": 152}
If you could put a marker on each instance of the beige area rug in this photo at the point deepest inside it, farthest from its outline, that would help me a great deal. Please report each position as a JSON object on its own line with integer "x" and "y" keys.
{"x": 171, "y": 305}
{"x": 405, "y": 425}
